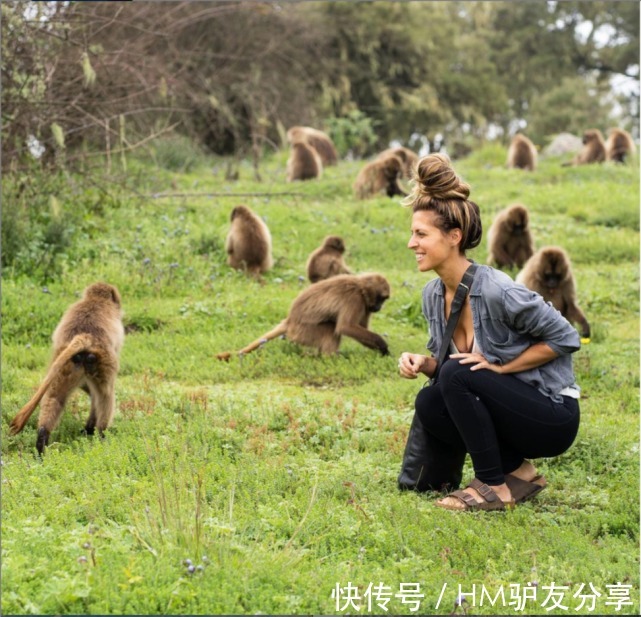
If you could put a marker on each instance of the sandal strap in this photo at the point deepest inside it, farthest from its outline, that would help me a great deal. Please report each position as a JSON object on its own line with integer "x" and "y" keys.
{"x": 468, "y": 501}
{"x": 484, "y": 491}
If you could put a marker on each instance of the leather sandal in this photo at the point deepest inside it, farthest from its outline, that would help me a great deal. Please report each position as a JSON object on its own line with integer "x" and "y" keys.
{"x": 491, "y": 501}
{"x": 522, "y": 490}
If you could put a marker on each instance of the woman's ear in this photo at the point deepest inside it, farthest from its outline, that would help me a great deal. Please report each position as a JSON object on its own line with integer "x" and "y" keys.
{"x": 456, "y": 235}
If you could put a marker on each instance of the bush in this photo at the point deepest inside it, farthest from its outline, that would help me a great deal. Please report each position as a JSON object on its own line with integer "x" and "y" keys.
{"x": 177, "y": 153}
{"x": 37, "y": 224}
{"x": 353, "y": 133}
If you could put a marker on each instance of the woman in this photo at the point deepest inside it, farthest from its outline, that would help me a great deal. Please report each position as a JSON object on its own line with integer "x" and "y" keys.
{"x": 507, "y": 391}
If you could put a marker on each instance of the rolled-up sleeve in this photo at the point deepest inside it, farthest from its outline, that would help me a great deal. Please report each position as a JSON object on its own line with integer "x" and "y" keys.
{"x": 529, "y": 313}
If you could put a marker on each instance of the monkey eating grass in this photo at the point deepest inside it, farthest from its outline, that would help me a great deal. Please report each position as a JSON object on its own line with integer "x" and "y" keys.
{"x": 325, "y": 311}
{"x": 86, "y": 350}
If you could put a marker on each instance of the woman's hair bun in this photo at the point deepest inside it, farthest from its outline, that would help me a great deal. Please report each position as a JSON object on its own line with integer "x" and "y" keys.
{"x": 436, "y": 178}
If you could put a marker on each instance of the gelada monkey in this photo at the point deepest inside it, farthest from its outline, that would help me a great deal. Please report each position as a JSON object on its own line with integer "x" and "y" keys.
{"x": 327, "y": 260}
{"x": 248, "y": 243}
{"x": 328, "y": 310}
{"x": 318, "y": 140}
{"x": 522, "y": 153}
{"x": 593, "y": 150}
{"x": 86, "y": 350}
{"x": 381, "y": 174}
{"x": 549, "y": 273}
{"x": 509, "y": 239}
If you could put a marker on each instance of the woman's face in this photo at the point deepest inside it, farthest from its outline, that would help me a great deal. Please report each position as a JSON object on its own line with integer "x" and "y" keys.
{"x": 431, "y": 246}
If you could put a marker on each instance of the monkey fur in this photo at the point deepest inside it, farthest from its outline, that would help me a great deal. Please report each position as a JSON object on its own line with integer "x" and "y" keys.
{"x": 321, "y": 142}
{"x": 522, "y": 153}
{"x": 549, "y": 273}
{"x": 381, "y": 174}
{"x": 304, "y": 162}
{"x": 86, "y": 350}
{"x": 248, "y": 243}
{"x": 509, "y": 239}
{"x": 327, "y": 260}
{"x": 407, "y": 156}
{"x": 619, "y": 145}
{"x": 593, "y": 150}
{"x": 328, "y": 310}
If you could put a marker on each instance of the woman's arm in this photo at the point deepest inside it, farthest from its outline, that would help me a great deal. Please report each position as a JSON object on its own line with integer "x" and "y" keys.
{"x": 537, "y": 355}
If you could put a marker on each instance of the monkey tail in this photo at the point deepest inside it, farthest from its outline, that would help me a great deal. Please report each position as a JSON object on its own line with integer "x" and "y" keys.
{"x": 281, "y": 328}
{"x": 80, "y": 342}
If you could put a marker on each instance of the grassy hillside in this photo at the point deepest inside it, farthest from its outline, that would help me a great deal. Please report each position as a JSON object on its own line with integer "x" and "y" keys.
{"x": 276, "y": 475}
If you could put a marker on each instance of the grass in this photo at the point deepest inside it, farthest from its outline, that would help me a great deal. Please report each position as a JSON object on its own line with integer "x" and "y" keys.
{"x": 276, "y": 475}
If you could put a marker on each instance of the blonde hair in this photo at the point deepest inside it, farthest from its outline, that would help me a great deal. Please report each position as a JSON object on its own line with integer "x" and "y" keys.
{"x": 438, "y": 189}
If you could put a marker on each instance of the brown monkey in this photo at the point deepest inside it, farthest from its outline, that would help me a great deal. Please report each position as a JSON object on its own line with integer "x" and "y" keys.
{"x": 304, "y": 163}
{"x": 249, "y": 243}
{"x": 619, "y": 145}
{"x": 325, "y": 311}
{"x": 86, "y": 349}
{"x": 549, "y": 273}
{"x": 409, "y": 158}
{"x": 320, "y": 141}
{"x": 327, "y": 260}
{"x": 593, "y": 150}
{"x": 522, "y": 154}
{"x": 509, "y": 239}
{"x": 381, "y": 174}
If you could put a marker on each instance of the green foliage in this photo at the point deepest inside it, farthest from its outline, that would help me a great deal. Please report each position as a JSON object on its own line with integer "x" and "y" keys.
{"x": 229, "y": 78}
{"x": 570, "y": 107}
{"x": 176, "y": 153}
{"x": 354, "y": 133}
{"x": 275, "y": 474}
{"x": 40, "y": 218}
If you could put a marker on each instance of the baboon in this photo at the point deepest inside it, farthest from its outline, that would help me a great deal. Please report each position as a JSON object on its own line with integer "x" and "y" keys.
{"x": 320, "y": 141}
{"x": 249, "y": 243}
{"x": 549, "y": 273}
{"x": 304, "y": 163}
{"x": 619, "y": 145}
{"x": 593, "y": 150}
{"x": 407, "y": 156}
{"x": 509, "y": 239}
{"x": 86, "y": 350}
{"x": 325, "y": 311}
{"x": 522, "y": 154}
{"x": 327, "y": 260}
{"x": 381, "y": 174}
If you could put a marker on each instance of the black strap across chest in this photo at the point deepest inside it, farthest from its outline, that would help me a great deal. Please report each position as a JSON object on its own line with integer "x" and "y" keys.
{"x": 455, "y": 311}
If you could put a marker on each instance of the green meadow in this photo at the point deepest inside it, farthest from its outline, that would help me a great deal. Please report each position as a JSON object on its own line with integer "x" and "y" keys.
{"x": 275, "y": 475}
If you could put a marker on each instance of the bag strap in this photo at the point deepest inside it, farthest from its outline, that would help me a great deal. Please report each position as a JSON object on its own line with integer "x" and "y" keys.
{"x": 455, "y": 311}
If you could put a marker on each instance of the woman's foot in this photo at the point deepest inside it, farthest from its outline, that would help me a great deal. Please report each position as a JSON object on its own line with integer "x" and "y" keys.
{"x": 525, "y": 482}
{"x": 526, "y": 471}
{"x": 477, "y": 490}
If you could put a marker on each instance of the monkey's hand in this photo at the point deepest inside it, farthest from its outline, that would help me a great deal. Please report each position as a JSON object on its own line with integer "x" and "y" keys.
{"x": 224, "y": 356}
{"x": 384, "y": 349}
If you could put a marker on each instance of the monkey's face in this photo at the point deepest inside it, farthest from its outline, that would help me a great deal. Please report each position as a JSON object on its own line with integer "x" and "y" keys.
{"x": 393, "y": 168}
{"x": 336, "y": 243}
{"x": 379, "y": 300}
{"x": 375, "y": 290}
{"x": 554, "y": 269}
{"x": 517, "y": 221}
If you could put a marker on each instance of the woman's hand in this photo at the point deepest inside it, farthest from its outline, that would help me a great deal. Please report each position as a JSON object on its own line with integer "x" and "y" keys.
{"x": 411, "y": 364}
{"x": 534, "y": 356}
{"x": 478, "y": 360}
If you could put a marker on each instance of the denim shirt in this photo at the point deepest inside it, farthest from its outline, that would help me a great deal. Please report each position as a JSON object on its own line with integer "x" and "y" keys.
{"x": 508, "y": 318}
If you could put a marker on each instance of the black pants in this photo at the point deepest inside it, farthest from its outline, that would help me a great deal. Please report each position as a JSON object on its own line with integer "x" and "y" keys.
{"x": 498, "y": 419}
